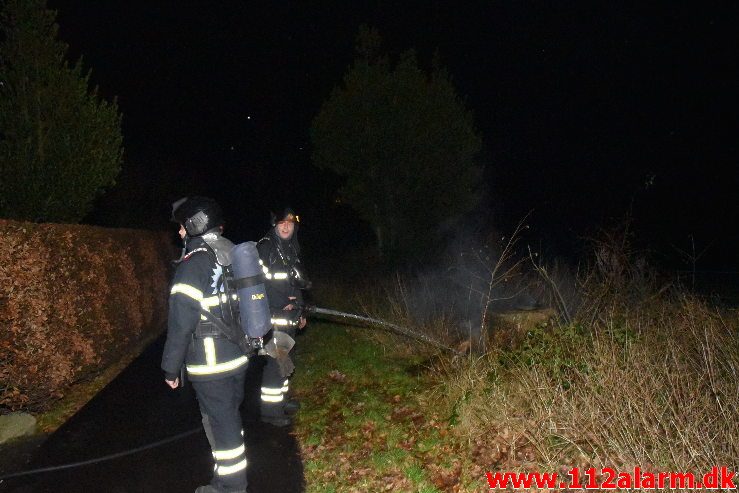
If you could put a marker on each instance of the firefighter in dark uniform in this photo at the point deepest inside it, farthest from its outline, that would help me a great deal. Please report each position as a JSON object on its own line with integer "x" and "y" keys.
{"x": 215, "y": 366}
{"x": 279, "y": 252}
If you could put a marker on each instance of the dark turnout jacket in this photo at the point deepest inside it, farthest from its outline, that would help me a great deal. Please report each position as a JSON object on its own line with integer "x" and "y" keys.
{"x": 278, "y": 258}
{"x": 195, "y": 286}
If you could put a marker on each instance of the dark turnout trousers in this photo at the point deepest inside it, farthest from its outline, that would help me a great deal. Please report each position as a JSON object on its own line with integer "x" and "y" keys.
{"x": 219, "y": 402}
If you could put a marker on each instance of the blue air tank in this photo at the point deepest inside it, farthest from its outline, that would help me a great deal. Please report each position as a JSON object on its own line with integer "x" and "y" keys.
{"x": 249, "y": 282}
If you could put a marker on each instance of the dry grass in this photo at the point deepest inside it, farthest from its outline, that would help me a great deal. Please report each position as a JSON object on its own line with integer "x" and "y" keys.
{"x": 656, "y": 388}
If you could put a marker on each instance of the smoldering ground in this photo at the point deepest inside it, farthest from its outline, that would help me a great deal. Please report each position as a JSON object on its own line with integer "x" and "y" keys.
{"x": 476, "y": 280}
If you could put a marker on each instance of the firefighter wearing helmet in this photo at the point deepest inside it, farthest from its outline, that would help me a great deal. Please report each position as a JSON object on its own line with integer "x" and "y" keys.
{"x": 215, "y": 365}
{"x": 279, "y": 252}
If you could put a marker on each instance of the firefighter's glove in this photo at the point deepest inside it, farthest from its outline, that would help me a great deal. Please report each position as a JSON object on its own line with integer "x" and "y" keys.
{"x": 286, "y": 318}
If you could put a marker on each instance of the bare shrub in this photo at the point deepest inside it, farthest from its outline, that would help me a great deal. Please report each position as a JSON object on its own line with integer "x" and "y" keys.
{"x": 456, "y": 300}
{"x": 616, "y": 278}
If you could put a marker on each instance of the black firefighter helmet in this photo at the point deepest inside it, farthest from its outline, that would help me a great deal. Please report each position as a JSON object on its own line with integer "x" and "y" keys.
{"x": 286, "y": 214}
{"x": 197, "y": 214}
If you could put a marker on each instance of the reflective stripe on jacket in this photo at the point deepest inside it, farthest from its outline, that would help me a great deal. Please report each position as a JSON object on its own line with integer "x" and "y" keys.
{"x": 194, "y": 287}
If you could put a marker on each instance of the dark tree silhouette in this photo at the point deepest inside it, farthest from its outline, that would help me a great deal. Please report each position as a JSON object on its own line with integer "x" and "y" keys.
{"x": 404, "y": 142}
{"x": 60, "y": 144}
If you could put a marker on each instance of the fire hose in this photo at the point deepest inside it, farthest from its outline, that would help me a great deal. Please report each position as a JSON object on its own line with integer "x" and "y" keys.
{"x": 102, "y": 458}
{"x": 308, "y": 309}
{"x": 395, "y": 328}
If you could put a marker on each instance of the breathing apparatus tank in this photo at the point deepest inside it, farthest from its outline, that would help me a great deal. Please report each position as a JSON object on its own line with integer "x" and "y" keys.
{"x": 249, "y": 284}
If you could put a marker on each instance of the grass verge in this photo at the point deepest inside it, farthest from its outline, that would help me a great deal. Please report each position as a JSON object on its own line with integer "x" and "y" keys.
{"x": 365, "y": 424}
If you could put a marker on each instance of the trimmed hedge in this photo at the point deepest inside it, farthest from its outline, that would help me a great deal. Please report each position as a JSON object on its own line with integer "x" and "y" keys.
{"x": 73, "y": 299}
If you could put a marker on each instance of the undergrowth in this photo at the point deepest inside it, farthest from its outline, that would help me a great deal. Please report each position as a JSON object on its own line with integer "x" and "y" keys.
{"x": 644, "y": 374}
{"x": 663, "y": 397}
{"x": 635, "y": 372}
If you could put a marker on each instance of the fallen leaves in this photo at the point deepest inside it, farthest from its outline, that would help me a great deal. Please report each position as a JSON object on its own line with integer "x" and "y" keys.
{"x": 337, "y": 376}
{"x": 443, "y": 478}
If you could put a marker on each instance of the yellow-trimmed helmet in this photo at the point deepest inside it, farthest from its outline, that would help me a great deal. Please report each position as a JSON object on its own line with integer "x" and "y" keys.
{"x": 287, "y": 214}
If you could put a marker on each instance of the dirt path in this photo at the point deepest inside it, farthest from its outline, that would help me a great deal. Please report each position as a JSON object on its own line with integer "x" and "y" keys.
{"x": 136, "y": 409}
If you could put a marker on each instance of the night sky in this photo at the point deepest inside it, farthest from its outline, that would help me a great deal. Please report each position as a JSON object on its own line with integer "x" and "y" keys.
{"x": 588, "y": 110}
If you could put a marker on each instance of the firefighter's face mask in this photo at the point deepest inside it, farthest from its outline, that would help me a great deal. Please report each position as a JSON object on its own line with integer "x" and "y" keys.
{"x": 285, "y": 229}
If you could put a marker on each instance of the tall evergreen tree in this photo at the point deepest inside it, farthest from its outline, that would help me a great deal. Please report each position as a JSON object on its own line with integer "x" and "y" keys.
{"x": 60, "y": 144}
{"x": 404, "y": 142}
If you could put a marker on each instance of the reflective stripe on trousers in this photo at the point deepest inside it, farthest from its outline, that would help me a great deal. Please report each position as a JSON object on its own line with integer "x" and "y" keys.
{"x": 275, "y": 394}
{"x": 230, "y": 461}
